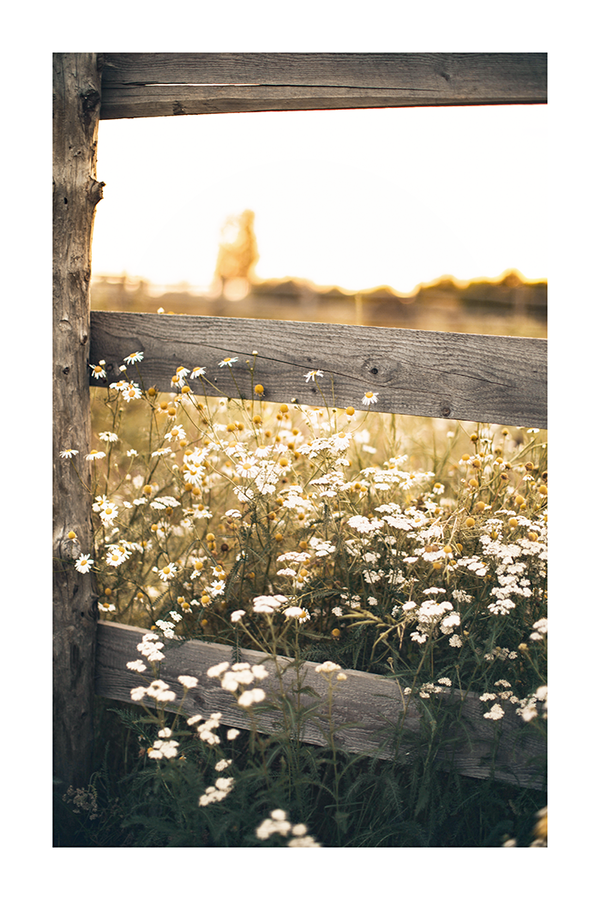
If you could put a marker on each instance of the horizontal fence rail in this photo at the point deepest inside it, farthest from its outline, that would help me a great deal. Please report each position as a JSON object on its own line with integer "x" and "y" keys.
{"x": 471, "y": 377}
{"x": 367, "y": 708}
{"x": 171, "y": 84}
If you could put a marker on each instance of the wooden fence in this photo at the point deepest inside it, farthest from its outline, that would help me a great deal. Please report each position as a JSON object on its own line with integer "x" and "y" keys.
{"x": 374, "y": 715}
{"x": 477, "y": 377}
{"x": 456, "y": 376}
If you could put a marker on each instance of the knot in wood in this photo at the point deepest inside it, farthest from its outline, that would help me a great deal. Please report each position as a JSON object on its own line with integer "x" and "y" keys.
{"x": 89, "y": 101}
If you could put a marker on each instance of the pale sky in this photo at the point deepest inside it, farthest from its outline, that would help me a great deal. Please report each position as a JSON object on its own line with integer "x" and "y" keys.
{"x": 358, "y": 198}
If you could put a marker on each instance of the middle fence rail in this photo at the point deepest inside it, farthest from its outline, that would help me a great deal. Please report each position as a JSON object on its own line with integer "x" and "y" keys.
{"x": 473, "y": 377}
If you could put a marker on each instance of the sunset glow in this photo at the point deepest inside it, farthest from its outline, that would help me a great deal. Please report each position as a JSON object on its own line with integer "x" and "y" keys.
{"x": 355, "y": 198}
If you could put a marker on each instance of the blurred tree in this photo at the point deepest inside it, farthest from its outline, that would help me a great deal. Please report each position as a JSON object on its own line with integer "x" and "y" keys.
{"x": 237, "y": 257}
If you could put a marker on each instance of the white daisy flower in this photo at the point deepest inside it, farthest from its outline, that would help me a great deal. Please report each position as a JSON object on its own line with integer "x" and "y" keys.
{"x": 370, "y": 398}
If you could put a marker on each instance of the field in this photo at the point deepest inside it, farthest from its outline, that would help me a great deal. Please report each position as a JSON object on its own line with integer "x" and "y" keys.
{"x": 410, "y": 548}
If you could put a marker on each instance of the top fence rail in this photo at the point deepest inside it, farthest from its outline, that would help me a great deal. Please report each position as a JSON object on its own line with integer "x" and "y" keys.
{"x": 170, "y": 84}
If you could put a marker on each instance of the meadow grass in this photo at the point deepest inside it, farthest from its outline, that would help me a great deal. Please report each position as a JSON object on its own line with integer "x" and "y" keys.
{"x": 345, "y": 537}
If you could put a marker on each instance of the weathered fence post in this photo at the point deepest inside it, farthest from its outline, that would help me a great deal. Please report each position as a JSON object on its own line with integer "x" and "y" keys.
{"x": 76, "y": 106}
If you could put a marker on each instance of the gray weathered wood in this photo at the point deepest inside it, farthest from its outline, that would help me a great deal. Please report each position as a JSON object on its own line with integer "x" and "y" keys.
{"x": 481, "y": 378}
{"x": 166, "y": 84}
{"x": 76, "y": 96}
{"x": 369, "y": 705}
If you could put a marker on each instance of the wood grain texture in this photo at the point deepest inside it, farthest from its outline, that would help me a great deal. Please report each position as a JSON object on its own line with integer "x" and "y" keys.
{"x": 76, "y": 97}
{"x": 477, "y": 378}
{"x": 167, "y": 84}
{"x": 367, "y": 709}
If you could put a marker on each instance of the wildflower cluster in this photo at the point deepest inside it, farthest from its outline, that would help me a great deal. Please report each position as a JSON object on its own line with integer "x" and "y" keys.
{"x": 328, "y": 669}
{"x": 237, "y": 680}
{"x": 240, "y": 519}
{"x": 216, "y": 792}
{"x": 344, "y": 537}
{"x": 277, "y": 824}
{"x": 82, "y": 801}
{"x": 166, "y": 747}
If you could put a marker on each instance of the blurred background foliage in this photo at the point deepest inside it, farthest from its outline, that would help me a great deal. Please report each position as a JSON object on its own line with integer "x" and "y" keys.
{"x": 509, "y": 304}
